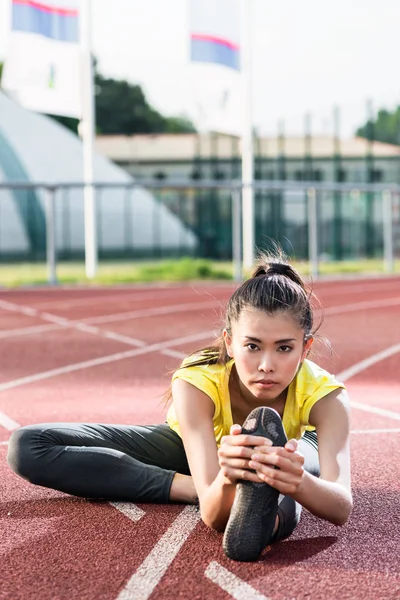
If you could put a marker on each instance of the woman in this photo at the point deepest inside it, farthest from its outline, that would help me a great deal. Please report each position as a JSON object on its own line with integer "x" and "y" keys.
{"x": 251, "y": 418}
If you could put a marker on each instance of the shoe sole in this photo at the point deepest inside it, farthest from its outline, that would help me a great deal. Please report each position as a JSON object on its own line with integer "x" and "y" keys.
{"x": 254, "y": 509}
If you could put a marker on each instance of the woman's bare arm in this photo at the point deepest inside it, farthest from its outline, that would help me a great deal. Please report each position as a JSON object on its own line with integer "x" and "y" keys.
{"x": 329, "y": 496}
{"x": 195, "y": 411}
{"x": 215, "y": 486}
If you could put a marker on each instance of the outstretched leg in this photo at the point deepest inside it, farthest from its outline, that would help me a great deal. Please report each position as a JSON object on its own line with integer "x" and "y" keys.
{"x": 110, "y": 462}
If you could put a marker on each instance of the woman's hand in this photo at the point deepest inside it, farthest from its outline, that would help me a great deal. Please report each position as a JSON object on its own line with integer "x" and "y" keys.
{"x": 235, "y": 453}
{"x": 287, "y": 475}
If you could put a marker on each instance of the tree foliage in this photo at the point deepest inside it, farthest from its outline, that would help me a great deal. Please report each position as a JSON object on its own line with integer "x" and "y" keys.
{"x": 122, "y": 108}
{"x": 385, "y": 128}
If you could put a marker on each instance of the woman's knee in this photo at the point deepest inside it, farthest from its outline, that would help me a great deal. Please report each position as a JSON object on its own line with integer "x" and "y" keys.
{"x": 21, "y": 452}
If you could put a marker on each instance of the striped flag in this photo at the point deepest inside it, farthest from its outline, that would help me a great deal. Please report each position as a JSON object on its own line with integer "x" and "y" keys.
{"x": 42, "y": 66}
{"x": 215, "y": 64}
{"x": 215, "y": 32}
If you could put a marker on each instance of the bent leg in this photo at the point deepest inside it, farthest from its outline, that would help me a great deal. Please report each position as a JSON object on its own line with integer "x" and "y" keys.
{"x": 111, "y": 462}
{"x": 289, "y": 510}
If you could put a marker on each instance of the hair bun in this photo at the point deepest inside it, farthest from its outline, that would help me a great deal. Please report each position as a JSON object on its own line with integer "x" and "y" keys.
{"x": 279, "y": 269}
{"x": 260, "y": 271}
{"x": 269, "y": 268}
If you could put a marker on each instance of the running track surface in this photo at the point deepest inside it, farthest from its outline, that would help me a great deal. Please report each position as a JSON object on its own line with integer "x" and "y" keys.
{"x": 104, "y": 355}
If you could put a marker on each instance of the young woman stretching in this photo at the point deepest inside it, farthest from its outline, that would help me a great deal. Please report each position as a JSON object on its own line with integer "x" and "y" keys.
{"x": 255, "y": 430}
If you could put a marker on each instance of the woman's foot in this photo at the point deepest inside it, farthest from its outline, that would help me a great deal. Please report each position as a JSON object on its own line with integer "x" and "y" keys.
{"x": 253, "y": 517}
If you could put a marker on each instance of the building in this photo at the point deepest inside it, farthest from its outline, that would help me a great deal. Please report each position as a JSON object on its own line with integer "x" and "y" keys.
{"x": 349, "y": 226}
{"x": 200, "y": 157}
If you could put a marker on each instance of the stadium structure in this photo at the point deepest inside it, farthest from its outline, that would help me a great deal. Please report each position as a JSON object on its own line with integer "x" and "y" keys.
{"x": 36, "y": 149}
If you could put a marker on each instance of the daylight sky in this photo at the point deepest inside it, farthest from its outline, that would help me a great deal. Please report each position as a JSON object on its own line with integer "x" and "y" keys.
{"x": 308, "y": 55}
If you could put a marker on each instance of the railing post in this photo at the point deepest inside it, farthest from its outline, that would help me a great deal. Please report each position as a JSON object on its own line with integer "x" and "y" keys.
{"x": 236, "y": 235}
{"x": 387, "y": 220}
{"x": 313, "y": 232}
{"x": 51, "y": 236}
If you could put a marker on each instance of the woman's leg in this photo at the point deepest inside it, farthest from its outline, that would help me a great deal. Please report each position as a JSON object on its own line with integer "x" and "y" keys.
{"x": 289, "y": 510}
{"x": 111, "y": 462}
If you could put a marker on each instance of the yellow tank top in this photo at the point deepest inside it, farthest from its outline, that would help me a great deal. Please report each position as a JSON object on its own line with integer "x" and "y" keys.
{"x": 310, "y": 385}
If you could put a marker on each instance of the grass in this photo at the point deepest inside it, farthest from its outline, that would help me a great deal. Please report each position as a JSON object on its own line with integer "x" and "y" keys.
{"x": 185, "y": 269}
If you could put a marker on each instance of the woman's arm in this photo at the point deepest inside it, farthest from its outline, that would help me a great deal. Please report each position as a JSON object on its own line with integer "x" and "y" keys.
{"x": 329, "y": 496}
{"x": 215, "y": 486}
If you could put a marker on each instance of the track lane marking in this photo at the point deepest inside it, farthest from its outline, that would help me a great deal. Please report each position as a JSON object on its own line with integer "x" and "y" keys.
{"x": 160, "y": 346}
{"x": 6, "y": 333}
{"x": 132, "y": 297}
{"x": 86, "y": 324}
{"x": 230, "y": 583}
{"x": 130, "y": 510}
{"x": 382, "y": 412}
{"x": 368, "y": 362}
{"x": 145, "y": 579}
{"x": 150, "y": 312}
{"x": 8, "y": 423}
{"x": 356, "y": 306}
{"x": 374, "y": 431}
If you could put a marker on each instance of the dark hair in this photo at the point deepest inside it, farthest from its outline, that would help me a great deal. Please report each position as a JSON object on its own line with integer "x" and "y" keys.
{"x": 274, "y": 286}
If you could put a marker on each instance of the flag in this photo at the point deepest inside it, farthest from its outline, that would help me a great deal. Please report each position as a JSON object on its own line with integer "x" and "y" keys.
{"x": 42, "y": 62}
{"x": 215, "y": 32}
{"x": 215, "y": 63}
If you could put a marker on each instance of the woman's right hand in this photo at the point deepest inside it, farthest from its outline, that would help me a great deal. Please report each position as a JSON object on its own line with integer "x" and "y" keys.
{"x": 235, "y": 453}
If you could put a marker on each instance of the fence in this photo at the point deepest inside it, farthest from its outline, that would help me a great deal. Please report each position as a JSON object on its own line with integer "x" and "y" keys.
{"x": 314, "y": 221}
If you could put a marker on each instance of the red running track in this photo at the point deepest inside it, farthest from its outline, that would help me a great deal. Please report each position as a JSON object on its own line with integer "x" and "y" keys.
{"x": 104, "y": 355}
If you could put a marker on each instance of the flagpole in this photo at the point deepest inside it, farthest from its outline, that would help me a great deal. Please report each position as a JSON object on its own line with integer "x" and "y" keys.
{"x": 86, "y": 128}
{"x": 247, "y": 138}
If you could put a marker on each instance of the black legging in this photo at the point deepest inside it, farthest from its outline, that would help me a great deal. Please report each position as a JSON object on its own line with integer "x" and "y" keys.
{"x": 120, "y": 462}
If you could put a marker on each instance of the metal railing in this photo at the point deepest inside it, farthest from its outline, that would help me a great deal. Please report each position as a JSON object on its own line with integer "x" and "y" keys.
{"x": 151, "y": 219}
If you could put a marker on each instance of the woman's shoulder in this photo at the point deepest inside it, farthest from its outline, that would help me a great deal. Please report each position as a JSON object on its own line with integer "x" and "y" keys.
{"x": 312, "y": 377}
{"x": 195, "y": 371}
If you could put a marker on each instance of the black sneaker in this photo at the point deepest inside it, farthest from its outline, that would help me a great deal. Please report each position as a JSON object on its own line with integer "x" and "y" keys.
{"x": 254, "y": 510}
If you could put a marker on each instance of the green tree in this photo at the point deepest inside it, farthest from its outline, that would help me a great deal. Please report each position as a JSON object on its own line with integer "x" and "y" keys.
{"x": 122, "y": 108}
{"x": 385, "y": 128}
{"x": 179, "y": 125}
{"x": 1, "y": 71}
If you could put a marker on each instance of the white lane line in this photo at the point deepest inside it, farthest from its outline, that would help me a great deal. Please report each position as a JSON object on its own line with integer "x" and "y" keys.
{"x": 374, "y": 431}
{"x": 27, "y": 330}
{"x": 382, "y": 412}
{"x": 104, "y": 360}
{"x": 130, "y": 510}
{"x": 174, "y": 353}
{"x": 150, "y": 312}
{"x": 356, "y": 306}
{"x": 339, "y": 290}
{"x": 230, "y": 583}
{"x": 85, "y": 325}
{"x": 368, "y": 362}
{"x": 8, "y": 423}
{"x": 98, "y": 299}
{"x": 58, "y": 322}
{"x": 143, "y": 582}
{"x": 361, "y": 366}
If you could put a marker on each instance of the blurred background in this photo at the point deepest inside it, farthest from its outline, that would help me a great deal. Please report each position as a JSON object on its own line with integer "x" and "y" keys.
{"x": 173, "y": 139}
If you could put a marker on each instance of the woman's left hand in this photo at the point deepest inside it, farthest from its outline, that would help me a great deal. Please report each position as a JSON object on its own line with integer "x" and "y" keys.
{"x": 288, "y": 474}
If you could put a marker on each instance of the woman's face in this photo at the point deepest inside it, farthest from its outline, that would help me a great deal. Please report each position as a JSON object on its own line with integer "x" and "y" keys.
{"x": 268, "y": 350}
